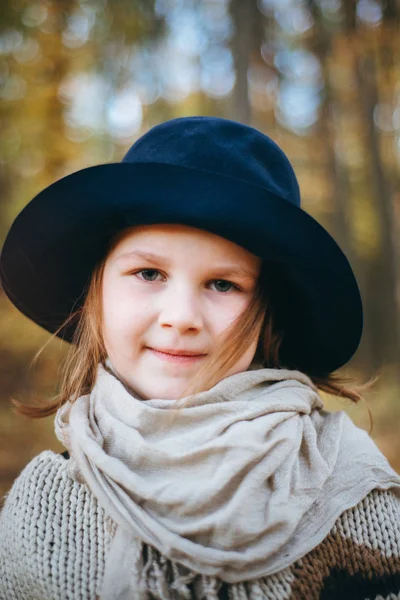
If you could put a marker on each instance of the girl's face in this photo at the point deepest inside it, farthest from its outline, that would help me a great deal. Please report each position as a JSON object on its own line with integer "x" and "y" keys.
{"x": 181, "y": 298}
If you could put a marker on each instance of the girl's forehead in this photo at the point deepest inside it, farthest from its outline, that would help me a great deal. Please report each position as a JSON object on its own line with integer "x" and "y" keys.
{"x": 167, "y": 237}
{"x": 166, "y": 231}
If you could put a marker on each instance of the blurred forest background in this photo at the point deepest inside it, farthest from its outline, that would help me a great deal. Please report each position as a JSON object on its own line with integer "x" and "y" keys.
{"x": 80, "y": 80}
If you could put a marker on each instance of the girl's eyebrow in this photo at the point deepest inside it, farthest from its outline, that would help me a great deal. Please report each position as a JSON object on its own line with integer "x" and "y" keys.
{"x": 161, "y": 260}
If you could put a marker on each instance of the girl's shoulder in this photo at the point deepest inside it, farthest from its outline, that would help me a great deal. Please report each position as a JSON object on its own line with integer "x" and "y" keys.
{"x": 45, "y": 484}
{"x": 47, "y": 464}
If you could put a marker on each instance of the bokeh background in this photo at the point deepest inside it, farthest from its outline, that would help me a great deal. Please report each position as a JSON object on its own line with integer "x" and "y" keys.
{"x": 80, "y": 80}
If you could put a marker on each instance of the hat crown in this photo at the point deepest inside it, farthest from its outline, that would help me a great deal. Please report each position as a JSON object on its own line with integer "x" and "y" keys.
{"x": 220, "y": 146}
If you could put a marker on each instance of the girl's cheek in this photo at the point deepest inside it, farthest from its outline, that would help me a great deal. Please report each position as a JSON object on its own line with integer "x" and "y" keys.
{"x": 229, "y": 311}
{"x": 120, "y": 319}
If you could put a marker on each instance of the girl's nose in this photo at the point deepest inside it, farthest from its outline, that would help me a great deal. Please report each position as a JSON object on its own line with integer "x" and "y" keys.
{"x": 180, "y": 309}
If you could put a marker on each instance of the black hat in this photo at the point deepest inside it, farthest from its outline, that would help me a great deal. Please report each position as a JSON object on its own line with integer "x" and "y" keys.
{"x": 206, "y": 172}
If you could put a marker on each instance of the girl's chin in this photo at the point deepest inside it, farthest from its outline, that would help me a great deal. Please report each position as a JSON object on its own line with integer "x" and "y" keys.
{"x": 165, "y": 389}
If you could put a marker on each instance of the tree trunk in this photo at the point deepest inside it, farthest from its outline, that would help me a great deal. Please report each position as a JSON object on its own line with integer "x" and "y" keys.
{"x": 243, "y": 17}
{"x": 381, "y": 293}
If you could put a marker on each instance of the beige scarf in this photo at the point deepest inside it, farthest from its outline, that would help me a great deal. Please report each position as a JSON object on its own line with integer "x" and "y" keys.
{"x": 249, "y": 476}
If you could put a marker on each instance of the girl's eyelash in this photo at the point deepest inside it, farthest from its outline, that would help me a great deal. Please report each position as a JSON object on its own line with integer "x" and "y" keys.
{"x": 157, "y": 271}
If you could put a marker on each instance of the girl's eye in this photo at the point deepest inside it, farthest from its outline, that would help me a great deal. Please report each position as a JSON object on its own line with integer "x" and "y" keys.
{"x": 147, "y": 271}
{"x": 219, "y": 281}
{"x": 224, "y": 283}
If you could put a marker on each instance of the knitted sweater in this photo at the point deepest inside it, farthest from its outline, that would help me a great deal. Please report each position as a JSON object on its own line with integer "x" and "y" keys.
{"x": 54, "y": 539}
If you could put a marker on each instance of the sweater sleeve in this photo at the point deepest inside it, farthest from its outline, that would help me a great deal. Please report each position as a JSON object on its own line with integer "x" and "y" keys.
{"x": 51, "y": 531}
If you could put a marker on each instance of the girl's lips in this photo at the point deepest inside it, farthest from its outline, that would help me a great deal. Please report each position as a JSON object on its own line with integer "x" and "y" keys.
{"x": 175, "y": 358}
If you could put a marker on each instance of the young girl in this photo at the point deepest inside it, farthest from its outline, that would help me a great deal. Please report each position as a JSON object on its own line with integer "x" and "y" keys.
{"x": 205, "y": 309}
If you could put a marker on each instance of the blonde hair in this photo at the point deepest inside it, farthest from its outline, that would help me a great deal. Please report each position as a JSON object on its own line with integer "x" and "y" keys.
{"x": 79, "y": 368}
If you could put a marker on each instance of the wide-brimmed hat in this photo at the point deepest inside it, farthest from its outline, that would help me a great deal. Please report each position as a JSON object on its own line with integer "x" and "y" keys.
{"x": 206, "y": 172}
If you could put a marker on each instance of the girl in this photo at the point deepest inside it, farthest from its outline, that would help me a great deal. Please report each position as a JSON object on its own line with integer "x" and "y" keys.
{"x": 205, "y": 310}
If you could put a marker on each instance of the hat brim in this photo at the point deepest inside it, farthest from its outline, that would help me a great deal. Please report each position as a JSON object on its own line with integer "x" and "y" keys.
{"x": 57, "y": 239}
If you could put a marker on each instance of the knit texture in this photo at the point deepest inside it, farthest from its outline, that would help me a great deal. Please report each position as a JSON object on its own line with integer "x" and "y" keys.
{"x": 54, "y": 538}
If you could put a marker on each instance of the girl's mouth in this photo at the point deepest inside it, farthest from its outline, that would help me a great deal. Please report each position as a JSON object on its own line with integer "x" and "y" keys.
{"x": 177, "y": 358}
